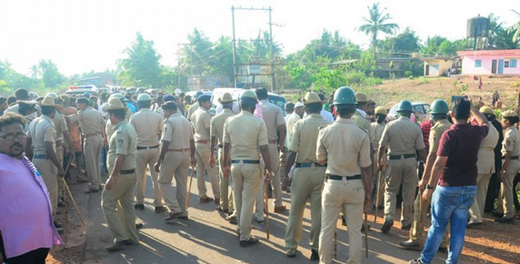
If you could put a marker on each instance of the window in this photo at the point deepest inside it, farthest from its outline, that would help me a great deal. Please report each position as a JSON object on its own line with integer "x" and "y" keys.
{"x": 512, "y": 63}
{"x": 478, "y": 63}
{"x": 506, "y": 64}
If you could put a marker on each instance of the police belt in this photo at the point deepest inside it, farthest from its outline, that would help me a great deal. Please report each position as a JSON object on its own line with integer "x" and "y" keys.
{"x": 40, "y": 157}
{"x": 340, "y": 178}
{"x": 152, "y": 147}
{"x": 308, "y": 165}
{"x": 272, "y": 141}
{"x": 92, "y": 134}
{"x": 512, "y": 157}
{"x": 132, "y": 171}
{"x": 405, "y": 156}
{"x": 202, "y": 141}
{"x": 245, "y": 161}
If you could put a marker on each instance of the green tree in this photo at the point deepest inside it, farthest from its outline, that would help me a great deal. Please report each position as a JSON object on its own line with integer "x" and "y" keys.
{"x": 141, "y": 67}
{"x": 402, "y": 45}
{"x": 51, "y": 77}
{"x": 376, "y": 23}
{"x": 515, "y": 29}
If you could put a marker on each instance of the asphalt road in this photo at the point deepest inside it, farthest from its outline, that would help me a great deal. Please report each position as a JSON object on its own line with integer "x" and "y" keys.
{"x": 208, "y": 238}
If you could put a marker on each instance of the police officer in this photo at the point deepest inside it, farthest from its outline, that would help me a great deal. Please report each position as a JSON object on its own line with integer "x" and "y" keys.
{"x": 117, "y": 197}
{"x": 177, "y": 147}
{"x": 308, "y": 177}
{"x": 148, "y": 125}
{"x": 42, "y": 138}
{"x": 92, "y": 124}
{"x": 217, "y": 131}
{"x": 245, "y": 138}
{"x": 376, "y": 131}
{"x": 486, "y": 167}
{"x": 510, "y": 166}
{"x": 345, "y": 149}
{"x": 439, "y": 113}
{"x": 201, "y": 122}
{"x": 193, "y": 107}
{"x": 404, "y": 138}
{"x": 62, "y": 131}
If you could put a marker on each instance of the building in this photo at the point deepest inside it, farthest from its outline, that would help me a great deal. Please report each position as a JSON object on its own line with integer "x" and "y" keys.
{"x": 490, "y": 62}
{"x": 438, "y": 66}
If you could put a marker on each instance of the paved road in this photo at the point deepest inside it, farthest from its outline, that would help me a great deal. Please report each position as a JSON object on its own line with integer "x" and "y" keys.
{"x": 208, "y": 238}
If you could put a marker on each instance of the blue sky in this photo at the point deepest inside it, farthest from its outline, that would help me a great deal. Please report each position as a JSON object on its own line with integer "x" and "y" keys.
{"x": 84, "y": 35}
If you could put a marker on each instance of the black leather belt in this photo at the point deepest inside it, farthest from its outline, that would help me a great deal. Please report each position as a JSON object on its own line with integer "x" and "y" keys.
{"x": 132, "y": 171}
{"x": 308, "y": 165}
{"x": 512, "y": 157}
{"x": 246, "y": 161}
{"x": 153, "y": 147}
{"x": 40, "y": 157}
{"x": 340, "y": 178}
{"x": 405, "y": 156}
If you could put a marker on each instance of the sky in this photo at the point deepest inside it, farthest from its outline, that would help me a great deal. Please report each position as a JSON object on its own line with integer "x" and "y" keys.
{"x": 84, "y": 35}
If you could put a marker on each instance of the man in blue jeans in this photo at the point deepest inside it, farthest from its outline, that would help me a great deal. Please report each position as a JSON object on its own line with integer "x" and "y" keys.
{"x": 455, "y": 172}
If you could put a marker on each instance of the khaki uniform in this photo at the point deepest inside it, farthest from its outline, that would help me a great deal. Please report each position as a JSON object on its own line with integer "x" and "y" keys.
{"x": 362, "y": 122}
{"x": 511, "y": 143}
{"x": 290, "y": 120}
{"x": 121, "y": 221}
{"x": 217, "y": 130}
{"x": 273, "y": 118}
{"x": 42, "y": 130}
{"x": 61, "y": 126}
{"x": 416, "y": 235}
{"x": 307, "y": 182}
{"x": 404, "y": 138}
{"x": 147, "y": 124}
{"x": 486, "y": 167}
{"x": 192, "y": 110}
{"x": 376, "y": 132}
{"x": 92, "y": 124}
{"x": 346, "y": 148}
{"x": 177, "y": 130}
{"x": 245, "y": 134}
{"x": 201, "y": 122}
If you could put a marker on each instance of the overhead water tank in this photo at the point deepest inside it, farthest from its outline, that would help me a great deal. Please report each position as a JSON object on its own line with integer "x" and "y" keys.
{"x": 478, "y": 27}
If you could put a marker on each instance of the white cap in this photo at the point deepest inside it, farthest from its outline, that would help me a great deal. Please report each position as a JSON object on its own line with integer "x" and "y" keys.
{"x": 298, "y": 104}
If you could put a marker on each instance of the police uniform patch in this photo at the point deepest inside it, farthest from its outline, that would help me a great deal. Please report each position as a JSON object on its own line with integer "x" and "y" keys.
{"x": 120, "y": 142}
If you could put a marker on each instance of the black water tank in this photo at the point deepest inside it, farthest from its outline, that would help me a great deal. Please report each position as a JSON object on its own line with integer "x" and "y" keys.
{"x": 478, "y": 27}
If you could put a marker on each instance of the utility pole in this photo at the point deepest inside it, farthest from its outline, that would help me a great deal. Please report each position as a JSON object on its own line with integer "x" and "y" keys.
{"x": 179, "y": 63}
{"x": 271, "y": 50}
{"x": 234, "y": 48}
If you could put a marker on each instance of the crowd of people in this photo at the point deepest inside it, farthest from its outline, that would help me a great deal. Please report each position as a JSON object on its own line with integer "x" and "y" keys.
{"x": 341, "y": 155}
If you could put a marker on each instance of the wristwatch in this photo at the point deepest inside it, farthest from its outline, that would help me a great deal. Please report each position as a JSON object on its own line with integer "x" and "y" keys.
{"x": 428, "y": 186}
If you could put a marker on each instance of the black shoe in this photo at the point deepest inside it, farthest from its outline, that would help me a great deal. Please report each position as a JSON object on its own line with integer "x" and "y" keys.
{"x": 314, "y": 255}
{"x": 118, "y": 245}
{"x": 61, "y": 204}
{"x": 291, "y": 253}
{"x": 497, "y": 214}
{"x": 473, "y": 224}
{"x": 58, "y": 227}
{"x": 386, "y": 226}
{"x": 363, "y": 228}
{"x": 343, "y": 221}
{"x": 409, "y": 245}
{"x": 139, "y": 226}
{"x": 504, "y": 220}
{"x": 139, "y": 207}
{"x": 406, "y": 227}
{"x": 442, "y": 250}
{"x": 246, "y": 243}
{"x": 160, "y": 209}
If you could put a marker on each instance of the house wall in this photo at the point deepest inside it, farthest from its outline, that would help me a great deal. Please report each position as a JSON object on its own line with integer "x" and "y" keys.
{"x": 468, "y": 65}
{"x": 437, "y": 67}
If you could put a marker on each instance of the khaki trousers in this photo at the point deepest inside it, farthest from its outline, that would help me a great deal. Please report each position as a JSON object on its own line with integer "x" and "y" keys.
{"x": 226, "y": 196}
{"x": 416, "y": 235}
{"x": 247, "y": 178}
{"x": 49, "y": 174}
{"x": 348, "y": 194}
{"x": 147, "y": 158}
{"x": 175, "y": 163}
{"x": 260, "y": 198}
{"x": 476, "y": 212}
{"x": 59, "y": 155}
{"x": 274, "y": 157}
{"x": 307, "y": 184}
{"x": 119, "y": 210}
{"x": 403, "y": 171}
{"x": 92, "y": 152}
{"x": 505, "y": 199}
{"x": 202, "y": 153}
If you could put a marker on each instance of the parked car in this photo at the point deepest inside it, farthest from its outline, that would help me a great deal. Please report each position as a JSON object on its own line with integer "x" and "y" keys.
{"x": 420, "y": 110}
{"x": 81, "y": 89}
{"x": 235, "y": 93}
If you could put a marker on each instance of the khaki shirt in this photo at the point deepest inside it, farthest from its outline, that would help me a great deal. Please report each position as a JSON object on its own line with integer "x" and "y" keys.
{"x": 486, "y": 151}
{"x": 40, "y": 131}
{"x": 109, "y": 129}
{"x": 60, "y": 124}
{"x": 201, "y": 122}
{"x": 362, "y": 122}
{"x": 123, "y": 142}
{"x": 402, "y": 136}
{"x": 511, "y": 141}
{"x": 345, "y": 147}
{"x": 245, "y": 133}
{"x": 436, "y": 133}
{"x": 177, "y": 131}
{"x": 192, "y": 110}
{"x": 305, "y": 138}
{"x": 91, "y": 121}
{"x": 147, "y": 124}
{"x": 290, "y": 120}
{"x": 273, "y": 118}
{"x": 217, "y": 124}
{"x": 376, "y": 132}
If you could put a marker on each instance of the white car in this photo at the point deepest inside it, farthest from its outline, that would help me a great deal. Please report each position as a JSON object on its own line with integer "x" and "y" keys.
{"x": 420, "y": 110}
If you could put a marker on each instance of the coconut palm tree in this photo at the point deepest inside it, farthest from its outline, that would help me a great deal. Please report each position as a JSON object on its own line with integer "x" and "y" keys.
{"x": 377, "y": 22}
{"x": 515, "y": 28}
